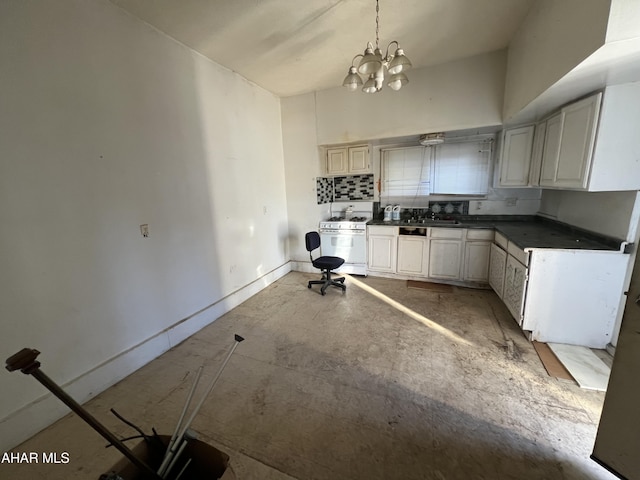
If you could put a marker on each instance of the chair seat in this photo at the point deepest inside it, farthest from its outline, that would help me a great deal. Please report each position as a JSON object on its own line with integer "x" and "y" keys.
{"x": 328, "y": 262}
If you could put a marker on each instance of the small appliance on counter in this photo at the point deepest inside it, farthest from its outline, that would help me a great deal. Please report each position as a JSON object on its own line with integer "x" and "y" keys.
{"x": 396, "y": 212}
{"x": 387, "y": 213}
{"x": 348, "y": 213}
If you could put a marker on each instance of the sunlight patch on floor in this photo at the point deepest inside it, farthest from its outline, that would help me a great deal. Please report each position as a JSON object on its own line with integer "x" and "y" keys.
{"x": 409, "y": 312}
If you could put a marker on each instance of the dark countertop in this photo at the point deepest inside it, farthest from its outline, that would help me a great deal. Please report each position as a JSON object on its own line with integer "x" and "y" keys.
{"x": 525, "y": 231}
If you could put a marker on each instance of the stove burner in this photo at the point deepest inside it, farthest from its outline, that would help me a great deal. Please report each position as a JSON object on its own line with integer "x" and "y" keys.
{"x": 343, "y": 219}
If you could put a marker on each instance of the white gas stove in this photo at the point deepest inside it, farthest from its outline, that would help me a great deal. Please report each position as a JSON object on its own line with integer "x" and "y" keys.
{"x": 346, "y": 238}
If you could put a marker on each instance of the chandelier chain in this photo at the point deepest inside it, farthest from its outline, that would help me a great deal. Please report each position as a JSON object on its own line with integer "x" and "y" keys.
{"x": 377, "y": 23}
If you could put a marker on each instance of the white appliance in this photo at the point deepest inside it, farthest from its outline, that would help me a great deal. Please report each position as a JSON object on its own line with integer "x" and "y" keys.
{"x": 346, "y": 239}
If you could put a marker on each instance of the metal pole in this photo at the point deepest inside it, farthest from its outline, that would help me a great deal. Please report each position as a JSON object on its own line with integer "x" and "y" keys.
{"x": 184, "y": 428}
{"x": 238, "y": 339}
{"x": 184, "y": 411}
{"x": 25, "y": 361}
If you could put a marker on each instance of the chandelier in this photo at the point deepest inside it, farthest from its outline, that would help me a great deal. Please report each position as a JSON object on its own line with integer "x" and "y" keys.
{"x": 373, "y": 65}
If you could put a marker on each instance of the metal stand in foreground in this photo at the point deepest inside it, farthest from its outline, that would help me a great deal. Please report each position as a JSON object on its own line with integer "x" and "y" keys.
{"x": 25, "y": 361}
{"x": 175, "y": 448}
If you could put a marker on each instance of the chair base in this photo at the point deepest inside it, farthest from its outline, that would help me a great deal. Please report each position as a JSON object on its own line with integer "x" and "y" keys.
{"x": 327, "y": 281}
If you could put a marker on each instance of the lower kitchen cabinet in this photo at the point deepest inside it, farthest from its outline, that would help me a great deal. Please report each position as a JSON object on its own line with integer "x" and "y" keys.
{"x": 445, "y": 253}
{"x": 476, "y": 261}
{"x": 515, "y": 286}
{"x": 382, "y": 249}
{"x": 559, "y": 295}
{"x": 497, "y": 266}
{"x": 444, "y": 258}
{"x": 477, "y": 249}
{"x": 413, "y": 255}
{"x": 438, "y": 253}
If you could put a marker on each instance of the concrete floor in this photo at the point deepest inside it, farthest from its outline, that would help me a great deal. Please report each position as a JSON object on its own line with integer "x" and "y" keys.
{"x": 382, "y": 382}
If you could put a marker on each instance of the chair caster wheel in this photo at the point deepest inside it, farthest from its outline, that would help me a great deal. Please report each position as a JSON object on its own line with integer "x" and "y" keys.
{"x": 309, "y": 285}
{"x": 323, "y": 293}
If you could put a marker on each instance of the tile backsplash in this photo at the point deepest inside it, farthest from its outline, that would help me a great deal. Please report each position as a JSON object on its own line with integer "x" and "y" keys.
{"x": 324, "y": 190}
{"x": 353, "y": 187}
{"x": 449, "y": 208}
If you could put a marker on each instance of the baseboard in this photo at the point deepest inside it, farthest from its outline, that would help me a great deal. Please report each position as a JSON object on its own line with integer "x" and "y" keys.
{"x": 42, "y": 412}
{"x": 611, "y": 350}
{"x": 304, "y": 267}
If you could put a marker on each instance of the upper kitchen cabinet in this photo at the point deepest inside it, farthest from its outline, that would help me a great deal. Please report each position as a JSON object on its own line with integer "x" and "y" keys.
{"x": 536, "y": 154}
{"x": 591, "y": 144}
{"x": 567, "y": 166}
{"x": 515, "y": 156}
{"x": 348, "y": 160}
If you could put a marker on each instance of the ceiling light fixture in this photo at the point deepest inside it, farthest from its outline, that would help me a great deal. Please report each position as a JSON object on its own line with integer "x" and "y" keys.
{"x": 373, "y": 65}
{"x": 429, "y": 139}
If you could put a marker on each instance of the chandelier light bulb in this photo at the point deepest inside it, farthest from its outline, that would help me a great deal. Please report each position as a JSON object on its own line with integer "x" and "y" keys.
{"x": 400, "y": 62}
{"x": 397, "y": 81}
{"x": 370, "y": 85}
{"x": 371, "y": 62}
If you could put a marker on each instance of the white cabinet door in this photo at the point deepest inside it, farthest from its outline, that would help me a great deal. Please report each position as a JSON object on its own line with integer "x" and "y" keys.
{"x": 359, "y": 160}
{"x": 337, "y": 161}
{"x": 551, "y": 151}
{"x": 536, "y": 154}
{"x": 382, "y": 253}
{"x": 476, "y": 261}
{"x": 515, "y": 158}
{"x": 348, "y": 160}
{"x": 445, "y": 256}
{"x": 515, "y": 285}
{"x": 578, "y": 137}
{"x": 497, "y": 266}
{"x": 413, "y": 255}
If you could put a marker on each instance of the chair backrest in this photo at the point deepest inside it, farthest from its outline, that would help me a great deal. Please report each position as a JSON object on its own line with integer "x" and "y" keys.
{"x": 312, "y": 241}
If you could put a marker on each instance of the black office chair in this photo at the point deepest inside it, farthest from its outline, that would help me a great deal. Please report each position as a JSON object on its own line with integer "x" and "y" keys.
{"x": 325, "y": 263}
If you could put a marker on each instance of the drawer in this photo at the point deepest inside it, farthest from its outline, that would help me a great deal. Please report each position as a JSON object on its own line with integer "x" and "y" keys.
{"x": 501, "y": 240}
{"x": 480, "y": 234}
{"x": 447, "y": 233}
{"x": 382, "y": 230}
{"x": 518, "y": 254}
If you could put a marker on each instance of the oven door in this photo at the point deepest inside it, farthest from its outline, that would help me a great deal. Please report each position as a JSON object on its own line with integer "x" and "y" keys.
{"x": 350, "y": 245}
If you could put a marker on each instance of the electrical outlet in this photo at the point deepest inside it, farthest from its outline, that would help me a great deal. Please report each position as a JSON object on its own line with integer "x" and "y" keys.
{"x": 144, "y": 230}
{"x": 511, "y": 202}
{"x": 478, "y": 205}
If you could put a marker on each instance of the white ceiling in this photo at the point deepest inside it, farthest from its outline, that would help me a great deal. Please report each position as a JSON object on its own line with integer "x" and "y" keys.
{"x": 291, "y": 47}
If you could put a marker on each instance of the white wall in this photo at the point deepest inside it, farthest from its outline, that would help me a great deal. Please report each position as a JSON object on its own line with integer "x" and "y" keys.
{"x": 554, "y": 37}
{"x": 453, "y": 96}
{"x": 624, "y": 20}
{"x": 302, "y": 166}
{"x": 107, "y": 124}
{"x": 607, "y": 213}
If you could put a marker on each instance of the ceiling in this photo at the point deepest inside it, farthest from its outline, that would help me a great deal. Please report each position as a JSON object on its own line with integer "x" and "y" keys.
{"x": 290, "y": 47}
